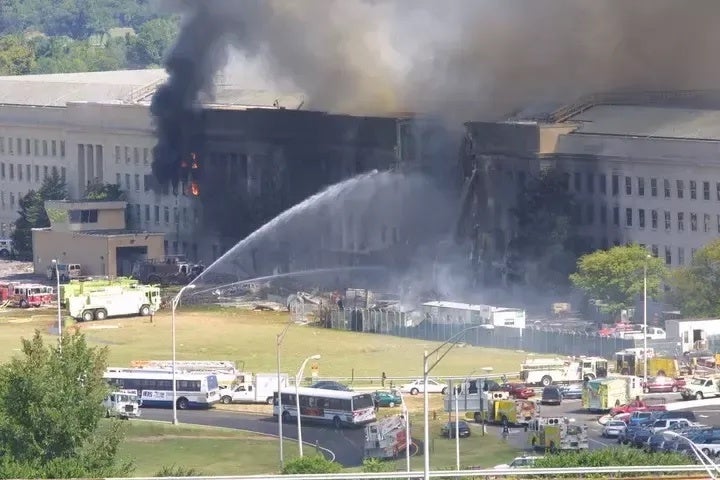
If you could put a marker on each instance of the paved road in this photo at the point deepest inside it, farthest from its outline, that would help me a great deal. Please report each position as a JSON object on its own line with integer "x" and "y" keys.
{"x": 346, "y": 444}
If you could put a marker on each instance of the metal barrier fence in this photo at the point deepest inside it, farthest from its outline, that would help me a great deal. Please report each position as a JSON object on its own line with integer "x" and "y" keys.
{"x": 531, "y": 339}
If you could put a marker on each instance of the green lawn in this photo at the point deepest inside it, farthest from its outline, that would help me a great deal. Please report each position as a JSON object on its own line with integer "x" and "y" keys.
{"x": 210, "y": 451}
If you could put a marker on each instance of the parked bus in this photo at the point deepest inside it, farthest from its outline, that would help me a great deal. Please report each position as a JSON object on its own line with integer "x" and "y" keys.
{"x": 338, "y": 407}
{"x": 155, "y": 389}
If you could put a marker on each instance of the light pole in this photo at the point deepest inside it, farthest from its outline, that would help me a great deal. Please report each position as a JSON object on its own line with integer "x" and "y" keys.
{"x": 278, "y": 341}
{"x": 59, "y": 311}
{"x": 407, "y": 431}
{"x": 298, "y": 377}
{"x": 174, "y": 304}
{"x": 645, "y": 327}
{"x": 427, "y": 368}
{"x": 457, "y": 430}
{"x": 705, "y": 461}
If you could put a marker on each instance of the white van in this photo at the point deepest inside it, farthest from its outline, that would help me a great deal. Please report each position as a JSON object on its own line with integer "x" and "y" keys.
{"x": 122, "y": 404}
{"x": 66, "y": 271}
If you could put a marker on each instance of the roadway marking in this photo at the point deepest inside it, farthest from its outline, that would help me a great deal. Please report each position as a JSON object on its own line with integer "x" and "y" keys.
{"x": 604, "y": 444}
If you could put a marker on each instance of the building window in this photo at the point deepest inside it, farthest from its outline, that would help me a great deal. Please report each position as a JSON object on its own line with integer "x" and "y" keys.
{"x": 603, "y": 214}
{"x": 127, "y": 154}
{"x": 28, "y": 173}
{"x": 19, "y": 146}
{"x": 653, "y": 187}
{"x": 692, "y": 253}
{"x": 165, "y": 246}
{"x": 717, "y": 217}
{"x": 693, "y": 222}
{"x": 118, "y": 179}
{"x": 653, "y": 219}
{"x": 680, "y": 189}
{"x": 136, "y": 155}
{"x": 706, "y": 190}
{"x": 127, "y": 182}
{"x": 156, "y": 209}
{"x": 147, "y": 213}
{"x": 590, "y": 214}
{"x": 12, "y": 199}
{"x": 166, "y": 214}
{"x": 693, "y": 190}
{"x": 590, "y": 183}
{"x": 37, "y": 173}
{"x": 138, "y": 215}
{"x": 83, "y": 216}
{"x": 146, "y": 155}
{"x": 54, "y": 171}
{"x": 641, "y": 218}
{"x": 641, "y": 186}
{"x": 137, "y": 182}
{"x": 45, "y": 148}
{"x": 603, "y": 183}
{"x": 616, "y": 216}
{"x": 12, "y": 171}
{"x": 185, "y": 215}
{"x": 578, "y": 181}
{"x": 117, "y": 154}
{"x": 681, "y": 221}
{"x": 62, "y": 148}
{"x": 628, "y": 217}
{"x": 46, "y": 171}
{"x": 628, "y": 185}
{"x": 681, "y": 256}
{"x": 2, "y": 170}
{"x": 2, "y": 150}
{"x": 27, "y": 146}
{"x": 655, "y": 251}
{"x": 11, "y": 148}
{"x": 706, "y": 223}
{"x": 668, "y": 256}
{"x": 615, "y": 185}
{"x": 20, "y": 173}
{"x": 53, "y": 148}
{"x": 176, "y": 215}
{"x": 666, "y": 187}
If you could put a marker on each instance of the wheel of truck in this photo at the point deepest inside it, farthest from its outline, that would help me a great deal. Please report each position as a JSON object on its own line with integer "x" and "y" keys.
{"x": 546, "y": 381}
{"x": 625, "y": 371}
{"x": 24, "y": 303}
{"x": 478, "y": 417}
{"x": 145, "y": 310}
{"x": 674, "y": 389}
{"x": 88, "y": 316}
{"x": 63, "y": 278}
{"x": 414, "y": 391}
{"x": 183, "y": 404}
{"x": 100, "y": 314}
{"x": 699, "y": 396}
{"x": 391, "y": 404}
{"x": 504, "y": 420}
{"x": 226, "y": 399}
{"x": 706, "y": 451}
{"x": 337, "y": 423}
{"x": 646, "y": 390}
{"x": 270, "y": 401}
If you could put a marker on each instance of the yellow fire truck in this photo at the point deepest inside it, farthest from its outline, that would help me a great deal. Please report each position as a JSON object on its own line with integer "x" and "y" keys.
{"x": 492, "y": 407}
{"x": 556, "y": 434}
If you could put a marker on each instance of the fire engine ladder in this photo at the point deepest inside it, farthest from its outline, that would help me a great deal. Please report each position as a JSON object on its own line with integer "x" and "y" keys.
{"x": 185, "y": 364}
{"x": 389, "y": 425}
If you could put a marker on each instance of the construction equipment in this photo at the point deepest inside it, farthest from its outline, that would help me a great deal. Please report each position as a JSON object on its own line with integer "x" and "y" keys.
{"x": 171, "y": 270}
{"x": 140, "y": 300}
{"x": 546, "y": 371}
{"x": 491, "y": 407}
{"x": 386, "y": 438}
{"x": 557, "y": 434}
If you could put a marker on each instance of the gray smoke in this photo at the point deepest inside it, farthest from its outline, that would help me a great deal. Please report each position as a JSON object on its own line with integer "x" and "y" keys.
{"x": 474, "y": 58}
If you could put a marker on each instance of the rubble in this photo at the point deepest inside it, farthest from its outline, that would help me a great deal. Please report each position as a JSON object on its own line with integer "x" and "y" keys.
{"x": 14, "y": 270}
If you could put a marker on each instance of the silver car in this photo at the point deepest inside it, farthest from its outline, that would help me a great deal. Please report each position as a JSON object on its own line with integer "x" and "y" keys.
{"x": 613, "y": 428}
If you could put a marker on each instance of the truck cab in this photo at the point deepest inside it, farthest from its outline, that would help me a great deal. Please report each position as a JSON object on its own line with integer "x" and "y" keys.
{"x": 122, "y": 404}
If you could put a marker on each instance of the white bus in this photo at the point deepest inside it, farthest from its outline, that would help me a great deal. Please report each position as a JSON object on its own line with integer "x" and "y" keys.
{"x": 155, "y": 389}
{"x": 339, "y": 407}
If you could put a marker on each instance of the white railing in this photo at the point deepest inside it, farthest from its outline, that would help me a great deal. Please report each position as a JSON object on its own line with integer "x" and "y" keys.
{"x": 651, "y": 471}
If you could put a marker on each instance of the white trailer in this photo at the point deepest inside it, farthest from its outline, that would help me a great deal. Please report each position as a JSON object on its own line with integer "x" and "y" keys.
{"x": 692, "y": 333}
{"x": 260, "y": 389}
{"x": 440, "y": 312}
{"x": 114, "y": 303}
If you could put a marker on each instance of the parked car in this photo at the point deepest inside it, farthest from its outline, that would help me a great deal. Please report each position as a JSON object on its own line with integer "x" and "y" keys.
{"x": 641, "y": 437}
{"x": 518, "y": 462}
{"x": 448, "y": 430}
{"x": 387, "y": 398}
{"x": 670, "y": 424}
{"x": 656, "y": 441}
{"x": 417, "y": 386}
{"x": 329, "y": 385}
{"x": 661, "y": 385}
{"x": 518, "y": 390}
{"x": 572, "y": 391}
{"x": 551, "y": 396}
{"x": 613, "y": 428}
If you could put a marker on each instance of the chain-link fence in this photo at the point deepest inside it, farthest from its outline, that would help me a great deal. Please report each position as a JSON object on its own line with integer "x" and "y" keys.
{"x": 531, "y": 339}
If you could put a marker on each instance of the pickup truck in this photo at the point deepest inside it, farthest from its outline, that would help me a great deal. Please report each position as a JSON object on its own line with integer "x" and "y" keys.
{"x": 638, "y": 406}
{"x": 701, "y": 387}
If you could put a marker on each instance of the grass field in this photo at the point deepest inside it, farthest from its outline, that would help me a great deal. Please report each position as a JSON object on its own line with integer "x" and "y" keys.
{"x": 249, "y": 337}
{"x": 210, "y": 451}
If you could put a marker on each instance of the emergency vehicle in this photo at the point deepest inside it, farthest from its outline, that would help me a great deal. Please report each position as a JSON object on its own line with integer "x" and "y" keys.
{"x": 26, "y": 295}
{"x": 79, "y": 287}
{"x": 605, "y": 393}
{"x": 115, "y": 302}
{"x": 546, "y": 371}
{"x": 122, "y": 404}
{"x": 492, "y": 407}
{"x": 557, "y": 434}
{"x": 227, "y": 373}
{"x": 386, "y": 438}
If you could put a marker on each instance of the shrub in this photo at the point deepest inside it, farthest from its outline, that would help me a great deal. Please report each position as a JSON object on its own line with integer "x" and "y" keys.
{"x": 311, "y": 464}
{"x": 177, "y": 471}
{"x": 374, "y": 465}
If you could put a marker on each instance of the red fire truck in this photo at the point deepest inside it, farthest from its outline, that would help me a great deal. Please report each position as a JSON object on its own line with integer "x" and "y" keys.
{"x": 26, "y": 295}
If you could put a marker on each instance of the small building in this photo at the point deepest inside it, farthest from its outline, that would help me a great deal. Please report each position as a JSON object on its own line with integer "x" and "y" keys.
{"x": 692, "y": 333}
{"x": 454, "y": 313}
{"x": 93, "y": 234}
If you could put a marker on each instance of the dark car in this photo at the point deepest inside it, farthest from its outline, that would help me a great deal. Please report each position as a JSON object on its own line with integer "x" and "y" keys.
{"x": 385, "y": 398}
{"x": 448, "y": 430}
{"x": 641, "y": 437}
{"x": 551, "y": 396}
{"x": 328, "y": 385}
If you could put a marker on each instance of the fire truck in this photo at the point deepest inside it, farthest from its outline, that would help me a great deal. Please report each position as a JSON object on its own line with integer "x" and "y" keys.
{"x": 386, "y": 438}
{"x": 140, "y": 300}
{"x": 26, "y": 295}
{"x": 492, "y": 407}
{"x": 557, "y": 434}
{"x": 546, "y": 371}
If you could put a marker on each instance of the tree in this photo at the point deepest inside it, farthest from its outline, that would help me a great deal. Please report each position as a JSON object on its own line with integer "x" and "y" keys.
{"x": 694, "y": 289}
{"x": 311, "y": 464}
{"x": 153, "y": 39}
{"x": 104, "y": 191}
{"x": 611, "y": 457}
{"x": 32, "y": 211}
{"x": 50, "y": 412}
{"x": 17, "y": 56}
{"x": 615, "y": 276}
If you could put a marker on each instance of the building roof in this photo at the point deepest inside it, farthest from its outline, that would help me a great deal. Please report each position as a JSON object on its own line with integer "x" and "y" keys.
{"x": 116, "y": 233}
{"x": 124, "y": 86}
{"x": 649, "y": 122}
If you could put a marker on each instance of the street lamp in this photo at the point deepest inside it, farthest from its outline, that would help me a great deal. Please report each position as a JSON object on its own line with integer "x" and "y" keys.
{"x": 705, "y": 461}
{"x": 298, "y": 377}
{"x": 59, "y": 312}
{"x": 645, "y": 327}
{"x": 407, "y": 431}
{"x": 278, "y": 341}
{"x": 175, "y": 302}
{"x": 457, "y": 418}
{"x": 427, "y": 368}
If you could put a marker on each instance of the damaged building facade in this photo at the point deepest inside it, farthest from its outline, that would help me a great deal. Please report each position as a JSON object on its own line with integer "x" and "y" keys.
{"x": 641, "y": 168}
{"x": 250, "y": 156}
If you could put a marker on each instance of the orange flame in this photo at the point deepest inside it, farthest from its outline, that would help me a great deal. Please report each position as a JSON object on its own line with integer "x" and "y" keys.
{"x": 194, "y": 189}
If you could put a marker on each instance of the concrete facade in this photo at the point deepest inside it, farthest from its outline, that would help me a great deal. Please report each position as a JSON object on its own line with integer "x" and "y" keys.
{"x": 92, "y": 234}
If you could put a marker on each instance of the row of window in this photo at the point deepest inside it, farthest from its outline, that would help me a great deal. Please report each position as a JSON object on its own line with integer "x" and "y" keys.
{"x": 668, "y": 252}
{"x": 133, "y": 155}
{"x": 642, "y": 218}
{"x": 20, "y": 146}
{"x": 639, "y": 186}
{"x": 152, "y": 213}
{"x": 151, "y": 384}
{"x": 11, "y": 171}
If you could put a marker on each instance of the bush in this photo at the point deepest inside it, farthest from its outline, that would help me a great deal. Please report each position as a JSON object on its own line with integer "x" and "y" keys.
{"x": 374, "y": 465}
{"x": 611, "y": 457}
{"x": 311, "y": 464}
{"x": 178, "y": 471}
